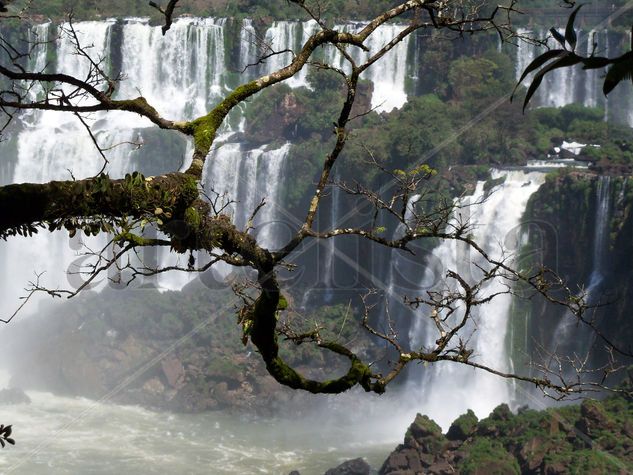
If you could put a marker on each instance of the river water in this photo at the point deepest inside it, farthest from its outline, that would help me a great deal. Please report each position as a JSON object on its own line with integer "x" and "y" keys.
{"x": 61, "y": 435}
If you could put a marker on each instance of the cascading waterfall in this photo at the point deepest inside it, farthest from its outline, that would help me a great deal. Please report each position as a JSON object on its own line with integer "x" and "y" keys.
{"x": 325, "y": 278}
{"x": 283, "y": 35}
{"x": 181, "y": 74}
{"x": 448, "y": 390}
{"x": 567, "y": 85}
{"x": 246, "y": 182}
{"x": 401, "y": 272}
{"x": 47, "y": 149}
{"x": 601, "y": 232}
{"x": 329, "y": 259}
{"x": 388, "y": 75}
{"x": 569, "y": 336}
{"x": 248, "y": 47}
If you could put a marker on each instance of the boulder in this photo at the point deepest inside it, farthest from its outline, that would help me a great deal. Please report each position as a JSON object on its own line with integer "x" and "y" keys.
{"x": 424, "y": 434}
{"x": 593, "y": 418}
{"x": 351, "y": 467}
{"x": 532, "y": 454}
{"x": 154, "y": 388}
{"x": 463, "y": 427}
{"x": 174, "y": 372}
{"x": 441, "y": 468}
{"x": 423, "y": 446}
{"x": 403, "y": 460}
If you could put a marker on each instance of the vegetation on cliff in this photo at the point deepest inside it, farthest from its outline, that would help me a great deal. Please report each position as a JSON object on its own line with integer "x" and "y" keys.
{"x": 591, "y": 437}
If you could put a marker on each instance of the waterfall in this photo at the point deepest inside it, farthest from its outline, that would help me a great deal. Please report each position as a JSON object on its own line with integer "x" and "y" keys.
{"x": 402, "y": 271}
{"x": 288, "y": 35}
{"x": 181, "y": 74}
{"x": 242, "y": 179}
{"x": 447, "y": 390}
{"x": 569, "y": 337}
{"x": 47, "y": 148}
{"x": 387, "y": 75}
{"x": 601, "y": 231}
{"x": 329, "y": 270}
{"x": 569, "y": 85}
{"x": 248, "y": 46}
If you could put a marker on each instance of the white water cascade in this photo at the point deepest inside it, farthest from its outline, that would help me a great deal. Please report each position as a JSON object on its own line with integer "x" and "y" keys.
{"x": 245, "y": 182}
{"x": 182, "y": 75}
{"x": 570, "y": 85}
{"x": 387, "y": 75}
{"x": 568, "y": 334}
{"x": 448, "y": 390}
{"x": 401, "y": 272}
{"x": 51, "y": 147}
{"x": 601, "y": 232}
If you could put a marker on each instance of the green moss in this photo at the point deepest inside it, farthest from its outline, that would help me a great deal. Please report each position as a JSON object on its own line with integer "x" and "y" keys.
{"x": 489, "y": 457}
{"x": 192, "y": 217}
{"x": 283, "y": 303}
{"x": 132, "y": 239}
{"x": 463, "y": 426}
{"x": 204, "y": 128}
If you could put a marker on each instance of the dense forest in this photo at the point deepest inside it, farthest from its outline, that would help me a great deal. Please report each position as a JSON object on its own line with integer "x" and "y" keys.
{"x": 279, "y": 9}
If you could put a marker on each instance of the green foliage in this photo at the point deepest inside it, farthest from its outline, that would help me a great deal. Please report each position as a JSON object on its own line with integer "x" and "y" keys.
{"x": 564, "y": 438}
{"x": 489, "y": 457}
{"x": 278, "y": 9}
{"x": 473, "y": 81}
{"x": 280, "y": 113}
{"x": 464, "y": 426}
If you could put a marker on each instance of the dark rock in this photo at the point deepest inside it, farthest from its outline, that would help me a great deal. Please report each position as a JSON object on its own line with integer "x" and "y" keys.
{"x": 463, "y": 427}
{"x": 427, "y": 459}
{"x": 294, "y": 472}
{"x": 422, "y": 449}
{"x": 12, "y": 396}
{"x": 593, "y": 418}
{"x": 351, "y": 467}
{"x": 423, "y": 427}
{"x": 458, "y": 456}
{"x": 532, "y": 454}
{"x": 556, "y": 468}
{"x": 402, "y": 460}
{"x": 441, "y": 468}
{"x": 425, "y": 435}
{"x": 564, "y": 153}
